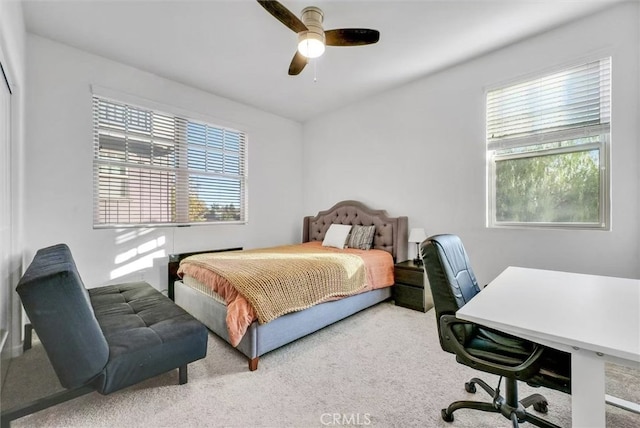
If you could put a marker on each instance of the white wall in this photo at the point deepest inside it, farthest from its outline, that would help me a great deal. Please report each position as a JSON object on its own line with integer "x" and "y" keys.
{"x": 12, "y": 56}
{"x": 419, "y": 151}
{"x": 59, "y": 156}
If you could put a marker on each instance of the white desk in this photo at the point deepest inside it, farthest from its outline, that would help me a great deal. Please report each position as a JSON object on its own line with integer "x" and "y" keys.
{"x": 595, "y": 318}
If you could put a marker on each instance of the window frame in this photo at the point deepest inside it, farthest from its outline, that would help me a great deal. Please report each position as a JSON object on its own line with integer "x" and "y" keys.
{"x": 602, "y": 147}
{"x": 601, "y": 130}
{"x": 181, "y": 171}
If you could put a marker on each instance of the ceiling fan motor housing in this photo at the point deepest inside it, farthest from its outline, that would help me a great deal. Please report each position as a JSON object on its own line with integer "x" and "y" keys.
{"x": 311, "y": 43}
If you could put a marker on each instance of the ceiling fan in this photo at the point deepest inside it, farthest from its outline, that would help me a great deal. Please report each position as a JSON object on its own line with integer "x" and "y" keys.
{"x": 312, "y": 38}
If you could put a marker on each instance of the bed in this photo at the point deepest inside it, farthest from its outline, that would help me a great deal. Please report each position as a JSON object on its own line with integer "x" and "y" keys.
{"x": 261, "y": 337}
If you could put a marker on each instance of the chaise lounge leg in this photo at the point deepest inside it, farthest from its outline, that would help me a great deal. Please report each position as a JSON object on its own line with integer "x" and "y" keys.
{"x": 40, "y": 404}
{"x": 182, "y": 374}
{"x": 253, "y": 364}
{"x": 26, "y": 345}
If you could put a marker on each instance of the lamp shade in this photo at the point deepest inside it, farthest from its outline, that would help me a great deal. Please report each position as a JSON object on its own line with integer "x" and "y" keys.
{"x": 417, "y": 235}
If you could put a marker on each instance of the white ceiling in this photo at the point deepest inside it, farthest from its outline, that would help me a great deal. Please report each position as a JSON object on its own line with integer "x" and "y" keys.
{"x": 235, "y": 49}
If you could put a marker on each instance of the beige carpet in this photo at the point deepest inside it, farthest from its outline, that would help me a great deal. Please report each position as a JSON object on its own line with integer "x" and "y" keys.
{"x": 380, "y": 368}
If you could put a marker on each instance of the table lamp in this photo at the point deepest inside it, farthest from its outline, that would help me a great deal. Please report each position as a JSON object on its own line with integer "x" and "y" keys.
{"x": 417, "y": 235}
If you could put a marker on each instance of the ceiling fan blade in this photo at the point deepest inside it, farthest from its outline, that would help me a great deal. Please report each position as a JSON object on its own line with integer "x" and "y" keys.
{"x": 351, "y": 37}
{"x": 298, "y": 63}
{"x": 283, "y": 15}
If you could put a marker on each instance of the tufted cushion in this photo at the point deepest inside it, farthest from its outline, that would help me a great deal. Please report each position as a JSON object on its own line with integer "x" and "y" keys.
{"x": 147, "y": 334}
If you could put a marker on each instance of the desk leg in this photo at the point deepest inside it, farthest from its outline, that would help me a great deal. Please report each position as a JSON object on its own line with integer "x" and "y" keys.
{"x": 587, "y": 389}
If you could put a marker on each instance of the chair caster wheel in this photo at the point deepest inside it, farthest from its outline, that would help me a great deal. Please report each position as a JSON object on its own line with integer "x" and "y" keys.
{"x": 541, "y": 407}
{"x": 446, "y": 416}
{"x": 470, "y": 387}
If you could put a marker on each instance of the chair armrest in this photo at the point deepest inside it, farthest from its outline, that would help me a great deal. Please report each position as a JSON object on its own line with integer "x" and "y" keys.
{"x": 527, "y": 369}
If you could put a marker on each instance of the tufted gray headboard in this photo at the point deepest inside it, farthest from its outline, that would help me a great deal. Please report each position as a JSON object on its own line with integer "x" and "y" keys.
{"x": 391, "y": 232}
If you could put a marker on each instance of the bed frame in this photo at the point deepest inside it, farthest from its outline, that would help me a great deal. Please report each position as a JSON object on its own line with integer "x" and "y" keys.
{"x": 391, "y": 236}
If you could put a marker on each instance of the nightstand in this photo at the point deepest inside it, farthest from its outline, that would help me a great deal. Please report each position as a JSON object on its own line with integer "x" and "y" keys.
{"x": 409, "y": 290}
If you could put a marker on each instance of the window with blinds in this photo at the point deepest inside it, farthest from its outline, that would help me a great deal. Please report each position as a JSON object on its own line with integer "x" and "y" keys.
{"x": 154, "y": 168}
{"x": 547, "y": 149}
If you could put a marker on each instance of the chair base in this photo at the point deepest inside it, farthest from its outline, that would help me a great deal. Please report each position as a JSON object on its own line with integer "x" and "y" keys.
{"x": 509, "y": 407}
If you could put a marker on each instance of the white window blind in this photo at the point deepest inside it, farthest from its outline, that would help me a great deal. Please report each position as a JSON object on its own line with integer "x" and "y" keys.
{"x": 547, "y": 149}
{"x": 154, "y": 168}
{"x": 545, "y": 108}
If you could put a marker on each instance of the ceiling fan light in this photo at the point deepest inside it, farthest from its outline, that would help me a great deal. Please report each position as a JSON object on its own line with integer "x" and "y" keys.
{"x": 310, "y": 44}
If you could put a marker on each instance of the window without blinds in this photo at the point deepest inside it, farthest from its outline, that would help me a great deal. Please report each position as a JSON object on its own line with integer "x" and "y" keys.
{"x": 154, "y": 168}
{"x": 547, "y": 144}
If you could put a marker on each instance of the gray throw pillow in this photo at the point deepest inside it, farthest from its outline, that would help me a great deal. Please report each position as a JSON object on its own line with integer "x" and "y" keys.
{"x": 361, "y": 237}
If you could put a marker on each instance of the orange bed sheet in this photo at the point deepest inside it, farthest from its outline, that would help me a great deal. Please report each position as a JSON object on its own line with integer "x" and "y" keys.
{"x": 378, "y": 265}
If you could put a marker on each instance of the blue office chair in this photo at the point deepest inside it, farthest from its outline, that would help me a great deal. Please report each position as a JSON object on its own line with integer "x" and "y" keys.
{"x": 453, "y": 284}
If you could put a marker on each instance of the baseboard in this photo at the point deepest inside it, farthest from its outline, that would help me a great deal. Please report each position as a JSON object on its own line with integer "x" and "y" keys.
{"x": 7, "y": 353}
{"x": 15, "y": 351}
{"x": 4, "y": 358}
{"x": 3, "y": 338}
{"x": 623, "y": 404}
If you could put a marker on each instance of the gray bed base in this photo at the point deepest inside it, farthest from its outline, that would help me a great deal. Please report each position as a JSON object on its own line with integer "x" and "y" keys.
{"x": 262, "y": 338}
{"x": 391, "y": 236}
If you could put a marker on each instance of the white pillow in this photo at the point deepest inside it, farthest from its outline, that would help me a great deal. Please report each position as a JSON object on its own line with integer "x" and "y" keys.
{"x": 336, "y": 236}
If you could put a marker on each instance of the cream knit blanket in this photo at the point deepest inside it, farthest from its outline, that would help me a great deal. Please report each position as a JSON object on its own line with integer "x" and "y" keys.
{"x": 285, "y": 279}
